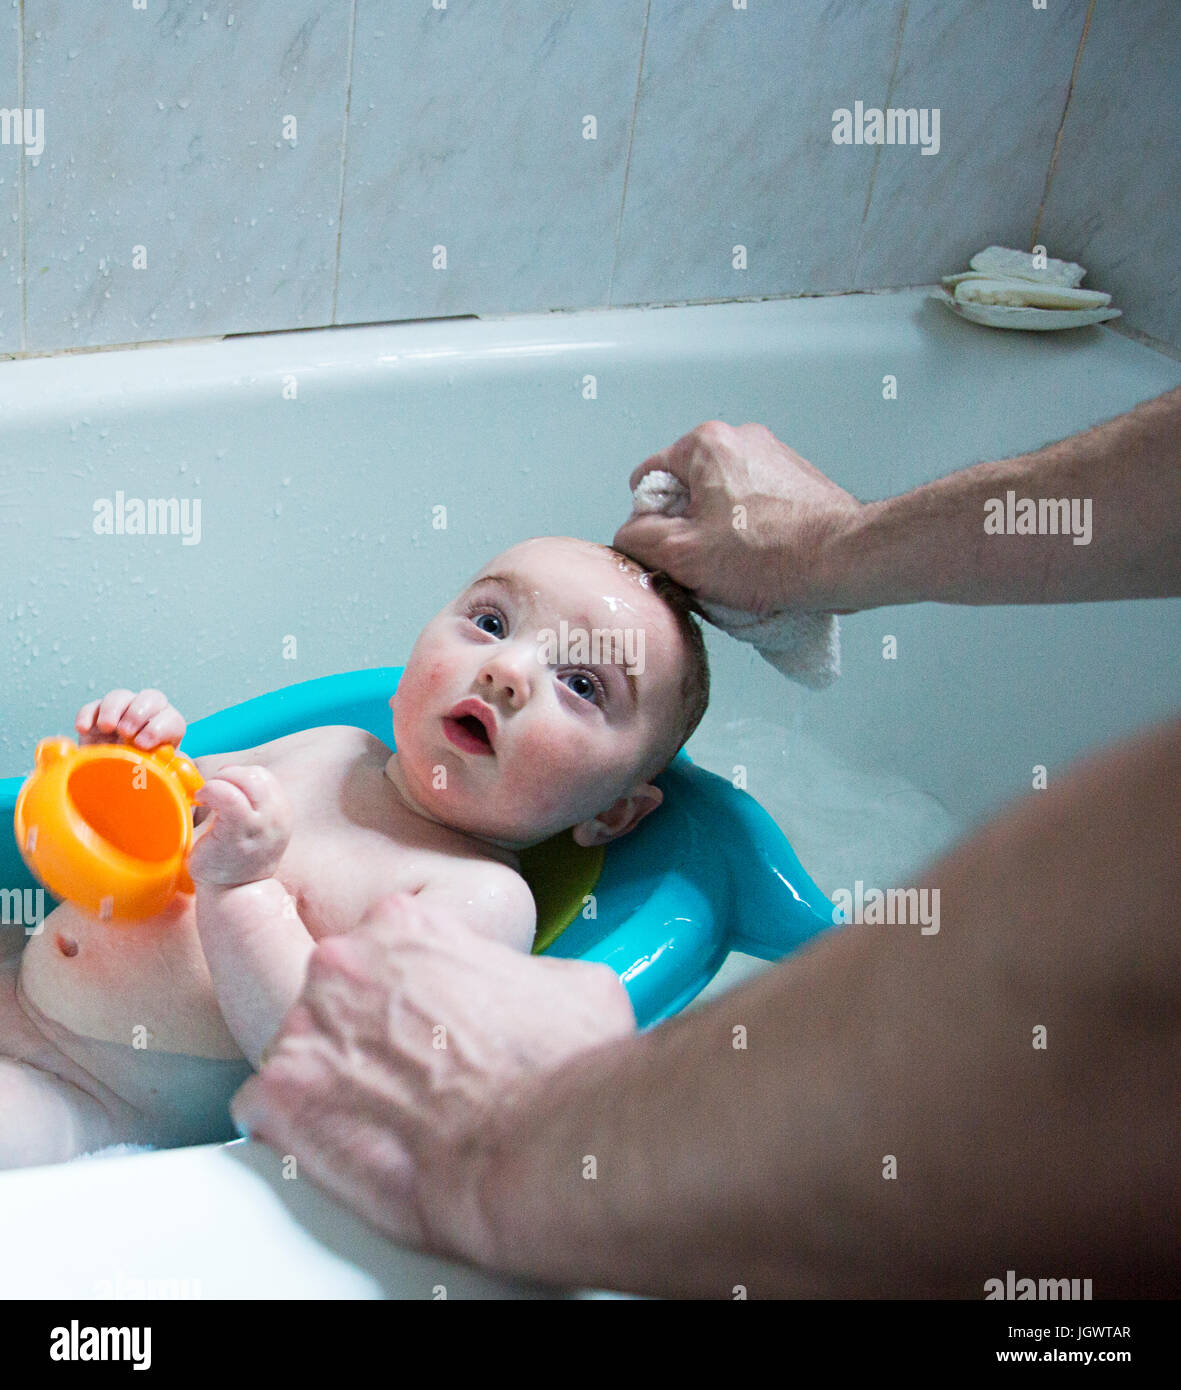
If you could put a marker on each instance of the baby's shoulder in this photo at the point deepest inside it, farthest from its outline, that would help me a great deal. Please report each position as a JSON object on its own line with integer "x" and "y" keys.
{"x": 492, "y": 897}
{"x": 349, "y": 736}
{"x": 295, "y": 757}
{"x": 334, "y": 740}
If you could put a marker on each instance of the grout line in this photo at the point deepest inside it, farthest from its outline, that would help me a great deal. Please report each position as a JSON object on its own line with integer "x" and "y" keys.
{"x": 1078, "y": 58}
{"x": 631, "y": 136}
{"x": 633, "y": 307}
{"x": 877, "y": 154}
{"x": 1122, "y": 327}
{"x": 344, "y": 155}
{"x": 20, "y": 182}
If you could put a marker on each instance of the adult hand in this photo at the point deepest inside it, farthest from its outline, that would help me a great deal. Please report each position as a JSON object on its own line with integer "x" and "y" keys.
{"x": 760, "y": 523}
{"x": 412, "y": 1037}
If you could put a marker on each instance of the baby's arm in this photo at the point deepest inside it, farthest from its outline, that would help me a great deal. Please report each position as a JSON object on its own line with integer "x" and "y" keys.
{"x": 255, "y": 944}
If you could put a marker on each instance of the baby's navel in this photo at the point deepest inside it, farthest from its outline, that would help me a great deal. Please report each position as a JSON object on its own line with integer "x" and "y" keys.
{"x": 66, "y": 944}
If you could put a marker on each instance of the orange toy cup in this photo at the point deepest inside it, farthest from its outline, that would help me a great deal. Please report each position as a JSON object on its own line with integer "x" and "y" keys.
{"x": 109, "y": 826}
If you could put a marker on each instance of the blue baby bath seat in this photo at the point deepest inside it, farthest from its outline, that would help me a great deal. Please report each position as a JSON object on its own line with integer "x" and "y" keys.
{"x": 707, "y": 873}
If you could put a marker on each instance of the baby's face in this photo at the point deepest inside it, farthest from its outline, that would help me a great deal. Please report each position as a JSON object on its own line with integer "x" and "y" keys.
{"x": 508, "y": 732}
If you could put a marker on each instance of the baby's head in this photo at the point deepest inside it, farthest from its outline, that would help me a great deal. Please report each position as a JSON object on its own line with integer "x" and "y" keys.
{"x": 548, "y": 695}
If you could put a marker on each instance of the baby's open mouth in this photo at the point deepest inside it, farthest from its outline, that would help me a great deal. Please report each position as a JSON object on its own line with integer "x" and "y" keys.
{"x": 470, "y": 726}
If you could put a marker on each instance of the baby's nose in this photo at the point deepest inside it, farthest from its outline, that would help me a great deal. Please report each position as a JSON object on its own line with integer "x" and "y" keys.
{"x": 507, "y": 676}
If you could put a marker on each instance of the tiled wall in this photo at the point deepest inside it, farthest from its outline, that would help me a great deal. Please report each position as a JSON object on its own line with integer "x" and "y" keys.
{"x": 170, "y": 199}
{"x": 1114, "y": 200}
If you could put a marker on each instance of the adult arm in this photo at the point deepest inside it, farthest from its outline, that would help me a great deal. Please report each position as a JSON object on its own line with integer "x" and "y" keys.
{"x": 803, "y": 542}
{"x": 764, "y": 1167}
{"x": 547, "y": 1141}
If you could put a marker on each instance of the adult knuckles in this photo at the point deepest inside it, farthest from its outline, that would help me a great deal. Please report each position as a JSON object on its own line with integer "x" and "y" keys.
{"x": 298, "y": 1023}
{"x": 302, "y": 1067}
{"x": 755, "y": 430}
{"x": 283, "y": 1075}
{"x": 334, "y": 955}
{"x": 366, "y": 956}
{"x": 712, "y": 432}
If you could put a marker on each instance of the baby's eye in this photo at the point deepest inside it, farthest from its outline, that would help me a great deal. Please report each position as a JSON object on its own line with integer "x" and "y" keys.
{"x": 584, "y": 684}
{"x": 491, "y": 623}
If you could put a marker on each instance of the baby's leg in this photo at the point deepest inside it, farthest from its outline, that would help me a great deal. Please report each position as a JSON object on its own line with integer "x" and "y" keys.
{"x": 44, "y": 1119}
{"x": 50, "y": 1109}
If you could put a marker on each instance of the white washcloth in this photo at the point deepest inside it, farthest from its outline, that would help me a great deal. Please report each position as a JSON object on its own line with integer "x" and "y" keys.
{"x": 116, "y": 1151}
{"x": 805, "y": 647}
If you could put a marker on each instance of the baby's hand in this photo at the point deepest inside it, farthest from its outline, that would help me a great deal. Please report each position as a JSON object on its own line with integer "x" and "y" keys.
{"x": 244, "y": 839}
{"x": 146, "y": 719}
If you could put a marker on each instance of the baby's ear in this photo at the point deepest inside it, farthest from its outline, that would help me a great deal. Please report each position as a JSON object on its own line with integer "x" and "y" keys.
{"x": 624, "y": 815}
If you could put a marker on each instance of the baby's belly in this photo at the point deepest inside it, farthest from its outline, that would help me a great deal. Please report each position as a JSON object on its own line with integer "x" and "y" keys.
{"x": 144, "y": 985}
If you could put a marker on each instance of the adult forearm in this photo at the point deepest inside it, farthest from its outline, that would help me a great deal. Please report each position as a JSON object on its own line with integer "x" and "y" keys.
{"x": 898, "y": 1123}
{"x": 967, "y": 538}
{"x": 675, "y": 1163}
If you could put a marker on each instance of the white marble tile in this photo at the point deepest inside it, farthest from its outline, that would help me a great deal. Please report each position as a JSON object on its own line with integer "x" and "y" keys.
{"x": 999, "y": 73}
{"x": 1115, "y": 194}
{"x": 164, "y": 129}
{"x": 466, "y": 131}
{"x": 733, "y": 146}
{"x": 11, "y": 156}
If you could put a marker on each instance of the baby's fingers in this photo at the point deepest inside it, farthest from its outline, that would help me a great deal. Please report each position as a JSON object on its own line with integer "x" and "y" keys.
{"x": 166, "y": 727}
{"x": 248, "y": 797}
{"x": 84, "y": 720}
{"x": 146, "y": 719}
{"x": 222, "y": 793}
{"x": 98, "y": 720}
{"x": 140, "y": 711}
{"x": 242, "y": 841}
{"x": 253, "y": 786}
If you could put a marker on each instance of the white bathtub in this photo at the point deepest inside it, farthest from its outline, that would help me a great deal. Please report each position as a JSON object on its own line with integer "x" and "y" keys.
{"x": 318, "y": 458}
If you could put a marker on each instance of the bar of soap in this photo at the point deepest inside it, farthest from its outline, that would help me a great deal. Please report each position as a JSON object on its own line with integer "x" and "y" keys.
{"x": 1003, "y": 263}
{"x": 952, "y": 280}
{"x": 1028, "y": 294}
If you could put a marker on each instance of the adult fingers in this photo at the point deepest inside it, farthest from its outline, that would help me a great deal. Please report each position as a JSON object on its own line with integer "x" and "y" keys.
{"x": 661, "y": 543}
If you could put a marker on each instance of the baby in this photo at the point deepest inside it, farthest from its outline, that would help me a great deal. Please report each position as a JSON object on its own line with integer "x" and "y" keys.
{"x": 505, "y": 734}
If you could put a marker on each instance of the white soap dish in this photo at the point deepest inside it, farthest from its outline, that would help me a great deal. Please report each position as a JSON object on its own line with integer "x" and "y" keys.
{"x": 1016, "y": 289}
{"x": 1014, "y": 316}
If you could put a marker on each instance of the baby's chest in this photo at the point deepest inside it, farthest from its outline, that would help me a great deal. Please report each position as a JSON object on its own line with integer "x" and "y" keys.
{"x": 353, "y": 841}
{"x": 335, "y": 877}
